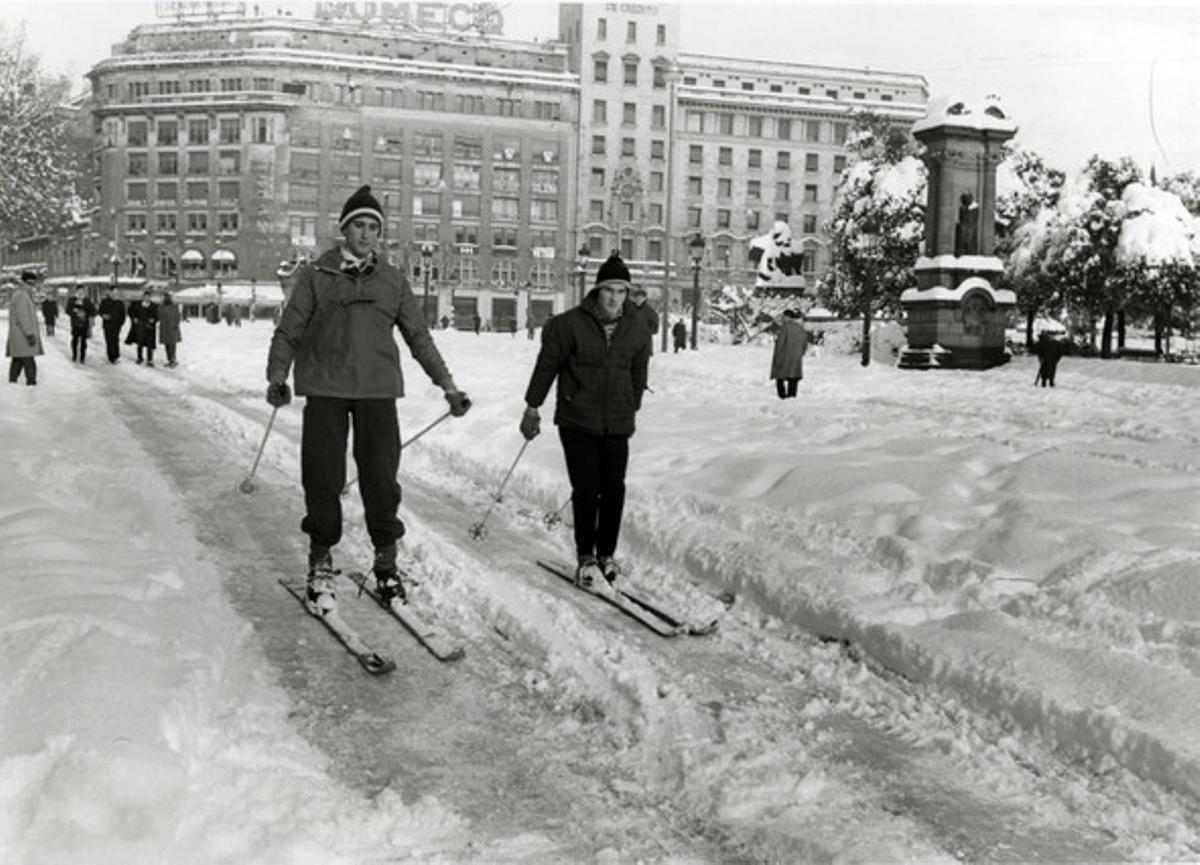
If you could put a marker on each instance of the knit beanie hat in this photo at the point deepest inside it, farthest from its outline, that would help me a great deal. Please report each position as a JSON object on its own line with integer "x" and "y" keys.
{"x": 28, "y": 276}
{"x": 613, "y": 270}
{"x": 361, "y": 203}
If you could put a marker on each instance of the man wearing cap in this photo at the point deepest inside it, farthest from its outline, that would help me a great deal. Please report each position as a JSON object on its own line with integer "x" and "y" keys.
{"x": 599, "y": 353}
{"x": 24, "y": 339}
{"x": 640, "y": 309}
{"x": 337, "y": 331}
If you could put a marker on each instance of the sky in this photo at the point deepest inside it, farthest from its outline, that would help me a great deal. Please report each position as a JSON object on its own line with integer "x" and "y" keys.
{"x": 1078, "y": 78}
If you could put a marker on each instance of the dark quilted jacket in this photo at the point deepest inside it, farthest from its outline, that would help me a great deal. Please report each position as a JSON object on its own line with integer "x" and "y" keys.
{"x": 600, "y": 384}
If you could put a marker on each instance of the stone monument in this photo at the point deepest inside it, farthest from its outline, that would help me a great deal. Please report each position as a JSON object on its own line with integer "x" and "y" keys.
{"x": 955, "y": 315}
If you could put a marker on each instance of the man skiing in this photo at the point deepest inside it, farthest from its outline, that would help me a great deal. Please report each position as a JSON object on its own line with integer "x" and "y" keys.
{"x": 337, "y": 330}
{"x": 599, "y": 355}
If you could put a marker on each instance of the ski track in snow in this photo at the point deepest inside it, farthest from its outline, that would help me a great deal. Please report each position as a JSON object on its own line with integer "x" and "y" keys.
{"x": 570, "y": 734}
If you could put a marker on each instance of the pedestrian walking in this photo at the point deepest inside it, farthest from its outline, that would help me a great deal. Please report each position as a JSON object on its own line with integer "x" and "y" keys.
{"x": 144, "y": 314}
{"x": 1049, "y": 352}
{"x": 644, "y": 311}
{"x": 168, "y": 327}
{"x": 679, "y": 335}
{"x": 337, "y": 331}
{"x": 787, "y": 361}
{"x": 24, "y": 340}
{"x": 112, "y": 316}
{"x": 80, "y": 312}
{"x": 599, "y": 356}
{"x": 49, "y": 313}
{"x": 476, "y": 321}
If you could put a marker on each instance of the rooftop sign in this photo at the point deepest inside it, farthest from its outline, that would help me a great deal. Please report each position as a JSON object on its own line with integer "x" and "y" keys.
{"x": 446, "y": 17}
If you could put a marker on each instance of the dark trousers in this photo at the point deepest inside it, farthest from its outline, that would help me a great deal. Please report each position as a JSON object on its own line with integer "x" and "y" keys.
{"x": 170, "y": 347}
{"x": 49, "y": 327}
{"x": 28, "y": 364}
{"x": 112, "y": 343}
{"x": 596, "y": 466}
{"x": 148, "y": 349}
{"x": 323, "y": 466}
{"x": 786, "y": 387}
{"x": 78, "y": 345}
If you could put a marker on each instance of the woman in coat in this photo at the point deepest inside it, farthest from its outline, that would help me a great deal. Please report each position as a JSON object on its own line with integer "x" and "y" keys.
{"x": 24, "y": 338}
{"x": 168, "y": 327}
{"x": 787, "y": 363}
{"x": 145, "y": 322}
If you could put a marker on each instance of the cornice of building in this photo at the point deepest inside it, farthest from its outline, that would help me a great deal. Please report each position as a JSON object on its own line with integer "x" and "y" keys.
{"x": 789, "y": 103}
{"x": 333, "y": 61}
{"x": 689, "y": 61}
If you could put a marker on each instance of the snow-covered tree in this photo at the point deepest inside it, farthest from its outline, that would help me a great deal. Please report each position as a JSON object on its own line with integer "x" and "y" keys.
{"x": 37, "y": 171}
{"x": 878, "y": 221}
{"x": 1186, "y": 185}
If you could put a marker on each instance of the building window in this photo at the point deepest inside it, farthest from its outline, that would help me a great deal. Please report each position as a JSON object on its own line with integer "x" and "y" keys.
{"x": 656, "y": 214}
{"x": 832, "y": 94}
{"x": 812, "y": 162}
{"x": 631, "y": 33}
{"x": 693, "y": 121}
{"x": 809, "y": 223}
{"x": 654, "y": 249}
{"x": 753, "y": 218}
{"x": 626, "y": 208}
{"x": 839, "y": 164}
{"x": 629, "y": 114}
{"x": 167, "y": 132}
{"x": 467, "y": 177}
{"x": 228, "y": 222}
{"x": 754, "y": 158}
{"x": 840, "y": 131}
{"x": 631, "y": 70}
{"x": 138, "y": 90}
{"x": 261, "y": 131}
{"x": 600, "y": 70}
{"x": 695, "y": 185}
{"x": 506, "y": 208}
{"x": 506, "y": 107}
{"x": 602, "y": 29}
{"x": 660, "y": 35}
{"x": 776, "y": 88}
{"x": 695, "y": 154}
{"x": 166, "y": 263}
{"x": 135, "y": 223}
{"x": 198, "y": 130}
{"x": 725, "y": 156}
{"x": 504, "y": 238}
{"x": 722, "y": 218}
{"x": 657, "y": 148}
{"x": 656, "y": 181}
{"x": 197, "y": 162}
{"x": 197, "y": 223}
{"x": 231, "y": 85}
{"x": 199, "y": 85}
{"x": 427, "y": 144}
{"x": 660, "y": 77}
{"x": 138, "y": 165}
{"x": 810, "y": 193}
{"x": 196, "y": 190}
{"x": 595, "y": 211}
{"x": 812, "y": 130}
{"x": 598, "y": 145}
{"x": 783, "y": 161}
{"x": 543, "y": 210}
{"x": 168, "y": 191}
{"x": 783, "y": 191}
{"x": 224, "y": 262}
{"x": 468, "y": 103}
{"x": 658, "y": 117}
{"x": 598, "y": 178}
{"x": 627, "y": 147}
{"x": 135, "y": 135}
{"x": 599, "y": 111}
{"x": 754, "y": 189}
{"x": 505, "y": 180}
{"x": 783, "y": 128}
{"x": 465, "y": 207}
{"x": 693, "y": 217}
{"x": 228, "y": 190}
{"x": 724, "y": 187}
{"x": 229, "y": 162}
{"x": 428, "y": 204}
{"x": 725, "y": 123}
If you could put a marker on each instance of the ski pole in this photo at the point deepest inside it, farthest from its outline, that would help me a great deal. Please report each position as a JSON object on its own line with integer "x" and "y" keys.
{"x": 479, "y": 531}
{"x": 247, "y": 486}
{"x": 552, "y": 520}
{"x": 354, "y": 480}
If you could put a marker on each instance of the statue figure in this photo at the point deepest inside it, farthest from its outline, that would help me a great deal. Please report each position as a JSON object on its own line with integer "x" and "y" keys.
{"x": 966, "y": 230}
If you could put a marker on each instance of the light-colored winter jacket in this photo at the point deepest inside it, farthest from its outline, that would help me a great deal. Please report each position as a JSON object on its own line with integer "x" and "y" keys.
{"x": 790, "y": 345}
{"x": 337, "y": 329}
{"x": 22, "y": 323}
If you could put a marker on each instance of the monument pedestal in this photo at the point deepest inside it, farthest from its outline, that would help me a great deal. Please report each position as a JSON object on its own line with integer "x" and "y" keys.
{"x": 955, "y": 318}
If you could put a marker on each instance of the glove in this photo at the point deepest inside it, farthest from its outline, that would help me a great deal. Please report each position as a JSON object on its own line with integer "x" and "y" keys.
{"x": 531, "y": 424}
{"x": 31, "y": 339}
{"x": 279, "y": 394}
{"x": 459, "y": 403}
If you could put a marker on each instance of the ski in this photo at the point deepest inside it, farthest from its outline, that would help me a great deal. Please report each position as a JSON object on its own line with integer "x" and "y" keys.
{"x": 373, "y": 662}
{"x": 690, "y": 629}
{"x": 438, "y": 644}
{"x": 655, "y": 623}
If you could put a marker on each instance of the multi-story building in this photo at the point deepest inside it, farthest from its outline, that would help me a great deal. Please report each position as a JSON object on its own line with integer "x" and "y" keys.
{"x": 226, "y": 144}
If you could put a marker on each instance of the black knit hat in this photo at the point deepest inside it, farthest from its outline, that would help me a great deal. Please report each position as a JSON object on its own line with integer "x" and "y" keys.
{"x": 361, "y": 203}
{"x": 28, "y": 276}
{"x": 613, "y": 270}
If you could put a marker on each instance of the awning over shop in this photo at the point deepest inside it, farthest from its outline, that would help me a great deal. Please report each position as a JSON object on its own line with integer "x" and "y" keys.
{"x": 192, "y": 256}
{"x": 224, "y": 255}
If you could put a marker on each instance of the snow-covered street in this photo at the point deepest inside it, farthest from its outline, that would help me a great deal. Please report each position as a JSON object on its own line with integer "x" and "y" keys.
{"x": 966, "y": 623}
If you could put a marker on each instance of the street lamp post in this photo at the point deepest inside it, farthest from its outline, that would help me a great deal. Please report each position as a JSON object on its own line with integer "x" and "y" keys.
{"x": 581, "y": 269}
{"x": 426, "y": 259}
{"x": 115, "y": 261}
{"x": 869, "y": 250}
{"x": 697, "y": 248}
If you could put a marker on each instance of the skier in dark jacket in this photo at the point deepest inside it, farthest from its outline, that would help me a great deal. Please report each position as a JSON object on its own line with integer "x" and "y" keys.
{"x": 599, "y": 357}
{"x": 337, "y": 328}
{"x": 112, "y": 316}
{"x": 81, "y": 311}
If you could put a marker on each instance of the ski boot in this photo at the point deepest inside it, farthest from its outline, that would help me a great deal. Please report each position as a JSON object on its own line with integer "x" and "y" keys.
{"x": 611, "y": 569}
{"x": 321, "y": 594}
{"x": 387, "y": 576}
{"x": 587, "y": 572}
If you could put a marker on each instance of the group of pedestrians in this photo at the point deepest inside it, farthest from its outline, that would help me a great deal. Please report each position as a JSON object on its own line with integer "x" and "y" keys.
{"x": 150, "y": 323}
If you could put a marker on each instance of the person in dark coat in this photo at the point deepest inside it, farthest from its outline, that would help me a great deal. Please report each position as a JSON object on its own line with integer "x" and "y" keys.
{"x": 338, "y": 329}
{"x": 644, "y": 311}
{"x": 112, "y": 316}
{"x": 1049, "y": 352}
{"x": 49, "y": 313}
{"x": 24, "y": 341}
{"x": 168, "y": 327}
{"x": 144, "y": 314}
{"x": 476, "y": 321}
{"x": 679, "y": 335}
{"x": 80, "y": 311}
{"x": 599, "y": 356}
{"x": 787, "y": 362}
